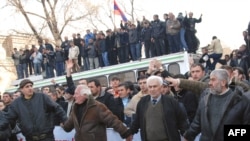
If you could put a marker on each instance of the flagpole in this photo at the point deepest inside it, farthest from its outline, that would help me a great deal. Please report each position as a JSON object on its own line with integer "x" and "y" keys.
{"x": 114, "y": 13}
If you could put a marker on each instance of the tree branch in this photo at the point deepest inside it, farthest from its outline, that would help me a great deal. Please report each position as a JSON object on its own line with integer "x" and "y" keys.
{"x": 34, "y": 14}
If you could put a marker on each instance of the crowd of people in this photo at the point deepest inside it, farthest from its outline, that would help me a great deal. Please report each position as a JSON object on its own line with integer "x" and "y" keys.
{"x": 126, "y": 107}
{"x": 99, "y": 49}
{"x": 161, "y": 105}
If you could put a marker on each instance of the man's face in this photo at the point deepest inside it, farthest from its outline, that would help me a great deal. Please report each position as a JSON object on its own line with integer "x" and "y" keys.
{"x": 122, "y": 91}
{"x": 237, "y": 76}
{"x": 143, "y": 85}
{"x": 7, "y": 99}
{"x": 16, "y": 95}
{"x": 165, "y": 89}
{"x": 94, "y": 90}
{"x": 154, "y": 88}
{"x": 197, "y": 73}
{"x": 68, "y": 96}
{"x": 27, "y": 90}
{"x": 53, "y": 97}
{"x": 177, "y": 88}
{"x": 66, "y": 38}
{"x": 190, "y": 14}
{"x": 115, "y": 83}
{"x": 204, "y": 51}
{"x": 215, "y": 85}
{"x": 80, "y": 98}
{"x": 46, "y": 90}
{"x": 165, "y": 17}
{"x": 155, "y": 17}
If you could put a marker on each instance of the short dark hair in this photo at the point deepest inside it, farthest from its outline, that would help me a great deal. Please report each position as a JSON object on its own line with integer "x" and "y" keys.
{"x": 239, "y": 69}
{"x": 125, "y": 85}
{"x": 8, "y": 93}
{"x": 198, "y": 64}
{"x": 96, "y": 81}
{"x": 227, "y": 67}
{"x": 60, "y": 87}
{"x": 130, "y": 85}
{"x": 141, "y": 77}
{"x": 46, "y": 87}
{"x": 115, "y": 78}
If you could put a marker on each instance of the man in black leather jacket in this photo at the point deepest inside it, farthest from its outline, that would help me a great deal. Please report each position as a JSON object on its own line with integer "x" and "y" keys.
{"x": 35, "y": 113}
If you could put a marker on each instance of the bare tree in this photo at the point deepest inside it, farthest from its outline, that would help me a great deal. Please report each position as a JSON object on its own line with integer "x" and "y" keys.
{"x": 104, "y": 12}
{"x": 53, "y": 11}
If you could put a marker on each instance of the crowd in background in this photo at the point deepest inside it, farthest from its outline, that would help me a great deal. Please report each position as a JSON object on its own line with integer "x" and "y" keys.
{"x": 98, "y": 49}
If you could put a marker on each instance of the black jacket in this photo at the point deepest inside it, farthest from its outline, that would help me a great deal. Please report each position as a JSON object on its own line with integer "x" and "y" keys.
{"x": 158, "y": 30}
{"x": 5, "y": 130}
{"x": 36, "y": 115}
{"x": 175, "y": 119}
{"x": 113, "y": 105}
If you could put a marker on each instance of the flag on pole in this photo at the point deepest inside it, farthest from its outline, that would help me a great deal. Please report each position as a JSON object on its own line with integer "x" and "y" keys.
{"x": 118, "y": 11}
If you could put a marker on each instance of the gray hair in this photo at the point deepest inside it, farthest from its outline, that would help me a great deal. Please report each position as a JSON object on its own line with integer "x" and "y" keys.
{"x": 154, "y": 77}
{"x": 84, "y": 90}
{"x": 221, "y": 74}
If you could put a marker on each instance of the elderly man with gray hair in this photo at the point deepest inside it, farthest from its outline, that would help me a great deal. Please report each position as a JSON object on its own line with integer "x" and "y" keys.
{"x": 90, "y": 118}
{"x": 218, "y": 107}
{"x": 158, "y": 116}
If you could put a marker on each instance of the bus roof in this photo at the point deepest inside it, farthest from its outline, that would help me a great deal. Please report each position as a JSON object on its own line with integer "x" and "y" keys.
{"x": 165, "y": 59}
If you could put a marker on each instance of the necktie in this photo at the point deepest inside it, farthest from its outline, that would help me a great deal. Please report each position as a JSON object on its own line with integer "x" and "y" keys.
{"x": 154, "y": 101}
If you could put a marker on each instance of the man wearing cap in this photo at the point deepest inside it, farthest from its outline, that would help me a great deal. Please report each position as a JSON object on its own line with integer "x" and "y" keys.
{"x": 35, "y": 112}
{"x": 90, "y": 118}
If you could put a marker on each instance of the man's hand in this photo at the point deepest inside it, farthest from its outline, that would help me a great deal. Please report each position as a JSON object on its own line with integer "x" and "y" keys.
{"x": 129, "y": 138}
{"x": 173, "y": 82}
{"x": 185, "y": 139}
{"x": 152, "y": 40}
{"x": 69, "y": 64}
{"x": 53, "y": 81}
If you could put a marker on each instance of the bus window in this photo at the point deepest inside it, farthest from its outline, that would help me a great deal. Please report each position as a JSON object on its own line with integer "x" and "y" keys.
{"x": 141, "y": 72}
{"x": 174, "y": 68}
{"x": 124, "y": 76}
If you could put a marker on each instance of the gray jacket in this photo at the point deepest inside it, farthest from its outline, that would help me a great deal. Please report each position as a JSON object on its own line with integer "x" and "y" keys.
{"x": 236, "y": 111}
{"x": 133, "y": 36}
{"x": 16, "y": 58}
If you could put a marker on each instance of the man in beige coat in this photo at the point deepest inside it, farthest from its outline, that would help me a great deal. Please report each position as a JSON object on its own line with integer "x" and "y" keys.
{"x": 216, "y": 51}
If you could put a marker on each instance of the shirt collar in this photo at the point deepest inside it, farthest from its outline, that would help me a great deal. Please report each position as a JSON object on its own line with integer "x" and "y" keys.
{"x": 158, "y": 98}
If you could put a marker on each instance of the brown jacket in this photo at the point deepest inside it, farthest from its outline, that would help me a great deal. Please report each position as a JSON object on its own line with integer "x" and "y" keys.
{"x": 198, "y": 87}
{"x": 96, "y": 117}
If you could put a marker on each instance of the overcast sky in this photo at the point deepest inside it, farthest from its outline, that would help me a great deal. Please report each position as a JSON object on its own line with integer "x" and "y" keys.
{"x": 225, "y": 19}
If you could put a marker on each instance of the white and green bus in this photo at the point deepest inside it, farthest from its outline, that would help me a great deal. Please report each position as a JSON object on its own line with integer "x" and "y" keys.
{"x": 174, "y": 63}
